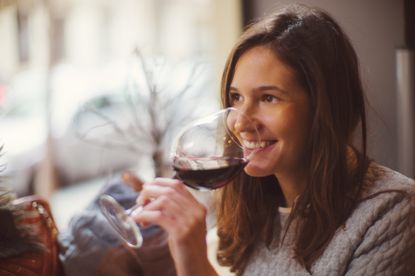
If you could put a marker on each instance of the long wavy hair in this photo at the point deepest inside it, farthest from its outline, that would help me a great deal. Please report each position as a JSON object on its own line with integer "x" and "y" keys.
{"x": 325, "y": 63}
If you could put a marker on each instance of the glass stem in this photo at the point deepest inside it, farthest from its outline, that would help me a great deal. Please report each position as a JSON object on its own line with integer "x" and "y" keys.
{"x": 135, "y": 209}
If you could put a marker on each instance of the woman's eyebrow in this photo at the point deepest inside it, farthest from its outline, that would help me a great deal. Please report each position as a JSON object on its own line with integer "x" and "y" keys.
{"x": 233, "y": 88}
{"x": 262, "y": 88}
{"x": 270, "y": 87}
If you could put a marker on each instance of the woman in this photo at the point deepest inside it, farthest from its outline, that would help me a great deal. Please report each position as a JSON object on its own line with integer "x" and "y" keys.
{"x": 308, "y": 201}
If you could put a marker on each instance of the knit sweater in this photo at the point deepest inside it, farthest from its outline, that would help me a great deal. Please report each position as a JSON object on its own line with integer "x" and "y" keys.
{"x": 377, "y": 239}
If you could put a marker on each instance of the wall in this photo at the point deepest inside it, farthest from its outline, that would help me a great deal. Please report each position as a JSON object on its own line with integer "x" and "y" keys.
{"x": 376, "y": 29}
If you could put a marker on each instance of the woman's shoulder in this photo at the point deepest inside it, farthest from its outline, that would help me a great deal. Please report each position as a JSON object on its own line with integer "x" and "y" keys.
{"x": 383, "y": 225}
{"x": 387, "y": 196}
{"x": 381, "y": 179}
{"x": 377, "y": 238}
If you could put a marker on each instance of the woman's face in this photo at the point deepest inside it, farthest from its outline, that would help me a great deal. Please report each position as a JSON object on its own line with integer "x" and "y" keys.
{"x": 266, "y": 90}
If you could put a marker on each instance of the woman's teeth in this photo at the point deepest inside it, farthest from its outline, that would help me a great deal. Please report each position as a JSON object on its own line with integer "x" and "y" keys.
{"x": 256, "y": 145}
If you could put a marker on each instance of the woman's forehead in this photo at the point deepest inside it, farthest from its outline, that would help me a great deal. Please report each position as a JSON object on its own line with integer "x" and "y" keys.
{"x": 260, "y": 66}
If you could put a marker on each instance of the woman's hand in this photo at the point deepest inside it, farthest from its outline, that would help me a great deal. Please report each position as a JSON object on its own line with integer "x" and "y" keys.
{"x": 170, "y": 205}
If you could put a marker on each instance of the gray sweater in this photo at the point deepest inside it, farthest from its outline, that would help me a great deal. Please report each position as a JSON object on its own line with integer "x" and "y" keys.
{"x": 378, "y": 238}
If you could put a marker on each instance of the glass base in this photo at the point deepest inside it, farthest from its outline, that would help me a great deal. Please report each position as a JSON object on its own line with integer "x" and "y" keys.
{"x": 121, "y": 221}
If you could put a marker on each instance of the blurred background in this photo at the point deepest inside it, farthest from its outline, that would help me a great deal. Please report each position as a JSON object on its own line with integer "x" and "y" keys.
{"x": 90, "y": 88}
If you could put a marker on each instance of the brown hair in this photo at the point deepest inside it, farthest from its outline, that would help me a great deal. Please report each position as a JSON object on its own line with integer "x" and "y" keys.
{"x": 326, "y": 65}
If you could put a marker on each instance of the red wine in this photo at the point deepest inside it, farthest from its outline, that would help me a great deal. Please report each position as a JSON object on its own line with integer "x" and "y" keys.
{"x": 208, "y": 174}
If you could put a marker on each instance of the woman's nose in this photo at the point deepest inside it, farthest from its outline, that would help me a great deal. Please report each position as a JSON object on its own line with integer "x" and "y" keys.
{"x": 241, "y": 121}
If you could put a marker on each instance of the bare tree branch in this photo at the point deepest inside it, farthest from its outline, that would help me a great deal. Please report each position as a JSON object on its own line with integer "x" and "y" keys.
{"x": 107, "y": 122}
{"x": 156, "y": 110}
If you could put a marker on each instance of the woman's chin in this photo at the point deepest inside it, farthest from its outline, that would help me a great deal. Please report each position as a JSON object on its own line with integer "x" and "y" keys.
{"x": 255, "y": 171}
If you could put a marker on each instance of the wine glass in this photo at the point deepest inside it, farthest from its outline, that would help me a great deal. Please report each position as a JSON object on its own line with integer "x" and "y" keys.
{"x": 207, "y": 154}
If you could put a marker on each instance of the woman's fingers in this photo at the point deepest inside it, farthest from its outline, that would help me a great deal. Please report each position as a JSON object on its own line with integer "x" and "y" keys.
{"x": 169, "y": 182}
{"x": 177, "y": 207}
{"x": 179, "y": 227}
{"x": 162, "y": 186}
{"x": 169, "y": 204}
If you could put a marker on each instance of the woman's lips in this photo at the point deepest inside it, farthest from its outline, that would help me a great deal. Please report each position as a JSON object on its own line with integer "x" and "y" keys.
{"x": 253, "y": 147}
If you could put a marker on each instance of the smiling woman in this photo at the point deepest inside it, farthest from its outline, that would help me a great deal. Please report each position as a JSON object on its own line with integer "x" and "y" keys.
{"x": 296, "y": 74}
{"x": 310, "y": 200}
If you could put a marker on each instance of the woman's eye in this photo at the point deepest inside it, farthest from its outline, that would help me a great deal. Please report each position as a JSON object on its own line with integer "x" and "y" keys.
{"x": 269, "y": 98}
{"x": 234, "y": 97}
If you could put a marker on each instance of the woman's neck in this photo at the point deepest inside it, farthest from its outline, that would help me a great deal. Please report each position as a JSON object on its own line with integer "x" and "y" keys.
{"x": 292, "y": 185}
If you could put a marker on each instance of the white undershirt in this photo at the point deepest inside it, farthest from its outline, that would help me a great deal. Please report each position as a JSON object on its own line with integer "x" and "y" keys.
{"x": 284, "y": 210}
